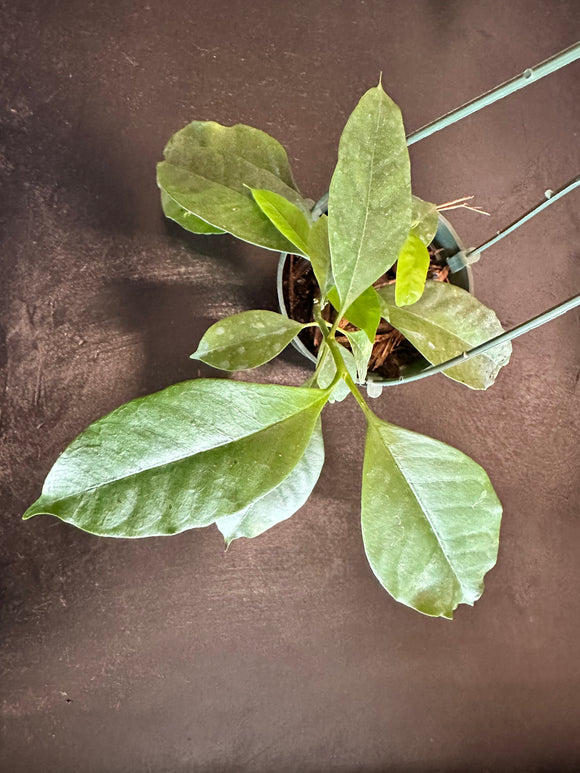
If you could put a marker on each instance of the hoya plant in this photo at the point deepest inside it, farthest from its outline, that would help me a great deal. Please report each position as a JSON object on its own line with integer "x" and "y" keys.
{"x": 246, "y": 456}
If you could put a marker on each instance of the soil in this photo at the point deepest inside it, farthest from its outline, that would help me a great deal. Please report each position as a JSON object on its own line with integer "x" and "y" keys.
{"x": 391, "y": 351}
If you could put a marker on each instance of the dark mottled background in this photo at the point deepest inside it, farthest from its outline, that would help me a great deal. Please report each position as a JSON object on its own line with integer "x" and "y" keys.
{"x": 170, "y": 656}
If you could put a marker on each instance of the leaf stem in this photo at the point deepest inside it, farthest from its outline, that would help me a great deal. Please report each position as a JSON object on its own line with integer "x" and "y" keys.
{"x": 321, "y": 361}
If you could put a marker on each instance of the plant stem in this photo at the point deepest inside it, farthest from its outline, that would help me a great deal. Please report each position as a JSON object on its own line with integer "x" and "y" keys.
{"x": 369, "y": 415}
{"x": 328, "y": 334}
{"x": 341, "y": 369}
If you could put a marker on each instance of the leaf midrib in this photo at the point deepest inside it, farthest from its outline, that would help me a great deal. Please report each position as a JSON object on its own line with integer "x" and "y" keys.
{"x": 190, "y": 211}
{"x": 347, "y": 300}
{"x": 184, "y": 457}
{"x": 251, "y": 339}
{"x": 421, "y": 506}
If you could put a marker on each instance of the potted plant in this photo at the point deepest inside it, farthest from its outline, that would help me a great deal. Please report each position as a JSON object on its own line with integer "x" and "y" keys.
{"x": 246, "y": 456}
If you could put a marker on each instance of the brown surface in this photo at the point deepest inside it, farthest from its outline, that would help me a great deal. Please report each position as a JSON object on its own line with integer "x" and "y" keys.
{"x": 283, "y": 654}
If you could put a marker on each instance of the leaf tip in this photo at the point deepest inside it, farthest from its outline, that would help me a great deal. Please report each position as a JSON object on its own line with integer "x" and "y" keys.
{"x": 406, "y": 300}
{"x": 198, "y": 354}
{"x": 380, "y": 83}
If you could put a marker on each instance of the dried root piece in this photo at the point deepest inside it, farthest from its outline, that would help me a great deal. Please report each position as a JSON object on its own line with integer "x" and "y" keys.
{"x": 461, "y": 204}
{"x": 439, "y": 273}
{"x": 385, "y": 343}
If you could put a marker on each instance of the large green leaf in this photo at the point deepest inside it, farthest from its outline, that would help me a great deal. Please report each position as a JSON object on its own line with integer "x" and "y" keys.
{"x": 208, "y": 170}
{"x": 424, "y": 220}
{"x": 185, "y": 219}
{"x": 430, "y": 519}
{"x": 246, "y": 340}
{"x": 445, "y": 322}
{"x": 412, "y": 267}
{"x": 281, "y": 502}
{"x": 369, "y": 205}
{"x": 181, "y": 458}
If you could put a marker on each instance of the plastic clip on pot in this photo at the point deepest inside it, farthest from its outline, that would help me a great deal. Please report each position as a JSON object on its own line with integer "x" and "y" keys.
{"x": 458, "y": 259}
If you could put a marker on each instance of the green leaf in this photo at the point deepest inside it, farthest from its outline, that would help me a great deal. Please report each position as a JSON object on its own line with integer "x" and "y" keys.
{"x": 309, "y": 237}
{"x": 430, "y": 520}
{"x": 424, "y": 220}
{"x": 253, "y": 145}
{"x": 369, "y": 213}
{"x": 281, "y": 502}
{"x": 246, "y": 340}
{"x": 445, "y": 322}
{"x": 208, "y": 170}
{"x": 327, "y": 372}
{"x": 362, "y": 349}
{"x": 181, "y": 458}
{"x": 364, "y": 313}
{"x": 412, "y": 267}
{"x": 185, "y": 219}
{"x": 334, "y": 298}
{"x": 288, "y": 219}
